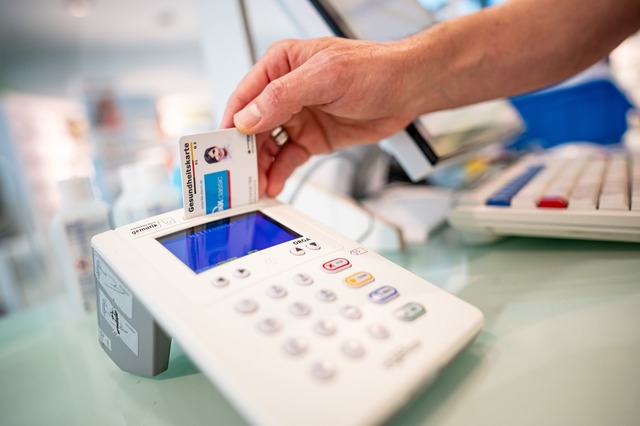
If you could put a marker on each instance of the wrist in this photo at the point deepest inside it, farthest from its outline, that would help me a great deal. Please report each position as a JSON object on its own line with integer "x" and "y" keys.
{"x": 419, "y": 68}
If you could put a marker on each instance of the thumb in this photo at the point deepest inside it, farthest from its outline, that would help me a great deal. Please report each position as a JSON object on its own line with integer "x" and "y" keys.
{"x": 280, "y": 100}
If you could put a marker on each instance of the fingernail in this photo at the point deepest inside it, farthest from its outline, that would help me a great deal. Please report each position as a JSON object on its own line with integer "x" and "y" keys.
{"x": 248, "y": 117}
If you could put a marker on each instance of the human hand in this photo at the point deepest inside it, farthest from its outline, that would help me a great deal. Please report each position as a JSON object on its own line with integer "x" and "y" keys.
{"x": 327, "y": 93}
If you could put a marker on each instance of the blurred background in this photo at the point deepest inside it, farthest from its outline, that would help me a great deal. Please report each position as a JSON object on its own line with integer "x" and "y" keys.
{"x": 90, "y": 86}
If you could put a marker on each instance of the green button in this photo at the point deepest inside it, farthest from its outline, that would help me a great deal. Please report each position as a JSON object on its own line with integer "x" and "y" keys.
{"x": 410, "y": 311}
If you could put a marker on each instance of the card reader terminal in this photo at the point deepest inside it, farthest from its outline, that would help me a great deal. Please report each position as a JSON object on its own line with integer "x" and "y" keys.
{"x": 293, "y": 322}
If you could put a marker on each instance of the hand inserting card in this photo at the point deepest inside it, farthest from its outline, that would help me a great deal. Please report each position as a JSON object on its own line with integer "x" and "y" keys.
{"x": 219, "y": 171}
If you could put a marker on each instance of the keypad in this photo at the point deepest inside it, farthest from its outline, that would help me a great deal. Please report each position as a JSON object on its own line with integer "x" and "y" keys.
{"x": 330, "y": 312}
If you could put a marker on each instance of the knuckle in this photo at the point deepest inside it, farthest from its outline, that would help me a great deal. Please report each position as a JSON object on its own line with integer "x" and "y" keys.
{"x": 280, "y": 46}
{"x": 276, "y": 92}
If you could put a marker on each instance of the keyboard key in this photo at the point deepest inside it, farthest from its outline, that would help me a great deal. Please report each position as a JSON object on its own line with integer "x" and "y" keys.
{"x": 503, "y": 196}
{"x": 553, "y": 202}
{"x": 614, "y": 202}
{"x": 614, "y": 194}
{"x": 587, "y": 189}
{"x": 529, "y": 196}
{"x": 556, "y": 195}
{"x": 635, "y": 182}
{"x": 479, "y": 195}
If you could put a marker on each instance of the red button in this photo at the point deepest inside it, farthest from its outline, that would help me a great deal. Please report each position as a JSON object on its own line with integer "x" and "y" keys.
{"x": 553, "y": 202}
{"x": 336, "y": 265}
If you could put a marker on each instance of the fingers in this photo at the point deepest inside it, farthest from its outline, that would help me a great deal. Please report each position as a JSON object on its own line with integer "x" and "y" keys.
{"x": 276, "y": 164}
{"x": 280, "y": 100}
{"x": 267, "y": 150}
{"x": 273, "y": 64}
{"x": 290, "y": 157}
{"x": 313, "y": 83}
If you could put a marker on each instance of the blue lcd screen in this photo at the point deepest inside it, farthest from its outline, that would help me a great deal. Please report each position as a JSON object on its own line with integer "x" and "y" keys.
{"x": 205, "y": 246}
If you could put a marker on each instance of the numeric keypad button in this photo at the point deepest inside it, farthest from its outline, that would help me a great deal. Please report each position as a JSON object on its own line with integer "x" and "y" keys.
{"x": 351, "y": 312}
{"x": 246, "y": 306}
{"x": 276, "y": 291}
{"x": 353, "y": 349}
{"x": 303, "y": 279}
{"x": 326, "y": 295}
{"x": 270, "y": 325}
{"x": 300, "y": 309}
{"x": 295, "y": 346}
{"x": 325, "y": 328}
{"x": 378, "y": 331}
{"x": 323, "y": 370}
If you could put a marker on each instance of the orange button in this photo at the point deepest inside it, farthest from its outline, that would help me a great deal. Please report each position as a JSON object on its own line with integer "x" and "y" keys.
{"x": 359, "y": 279}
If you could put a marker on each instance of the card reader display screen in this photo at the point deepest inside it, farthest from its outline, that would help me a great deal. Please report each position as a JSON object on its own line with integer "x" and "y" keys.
{"x": 205, "y": 246}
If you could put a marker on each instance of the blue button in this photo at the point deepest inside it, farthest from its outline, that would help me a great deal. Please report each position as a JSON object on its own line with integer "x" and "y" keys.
{"x": 383, "y": 294}
{"x": 503, "y": 196}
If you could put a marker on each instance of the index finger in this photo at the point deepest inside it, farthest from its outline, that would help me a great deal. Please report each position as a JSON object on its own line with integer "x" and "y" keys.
{"x": 273, "y": 64}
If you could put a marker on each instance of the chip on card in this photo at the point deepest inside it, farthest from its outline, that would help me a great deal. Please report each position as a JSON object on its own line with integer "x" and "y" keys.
{"x": 219, "y": 171}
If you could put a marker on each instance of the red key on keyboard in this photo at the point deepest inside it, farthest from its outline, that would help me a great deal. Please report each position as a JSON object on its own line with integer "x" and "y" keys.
{"x": 553, "y": 202}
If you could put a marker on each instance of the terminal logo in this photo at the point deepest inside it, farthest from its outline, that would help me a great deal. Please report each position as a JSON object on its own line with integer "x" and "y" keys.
{"x": 217, "y": 188}
{"x": 144, "y": 228}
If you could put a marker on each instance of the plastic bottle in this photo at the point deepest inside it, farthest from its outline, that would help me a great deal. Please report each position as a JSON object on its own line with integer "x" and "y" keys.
{"x": 80, "y": 217}
{"x": 125, "y": 206}
{"x": 157, "y": 194}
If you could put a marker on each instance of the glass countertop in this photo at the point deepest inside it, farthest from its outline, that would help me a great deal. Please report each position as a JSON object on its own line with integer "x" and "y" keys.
{"x": 560, "y": 346}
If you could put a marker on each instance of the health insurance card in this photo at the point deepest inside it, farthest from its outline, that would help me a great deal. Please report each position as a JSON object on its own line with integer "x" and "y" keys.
{"x": 219, "y": 171}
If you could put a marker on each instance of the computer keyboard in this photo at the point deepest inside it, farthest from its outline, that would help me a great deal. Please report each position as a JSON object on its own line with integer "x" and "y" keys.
{"x": 593, "y": 195}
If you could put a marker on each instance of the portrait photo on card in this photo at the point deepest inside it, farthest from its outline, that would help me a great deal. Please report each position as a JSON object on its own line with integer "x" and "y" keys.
{"x": 215, "y": 154}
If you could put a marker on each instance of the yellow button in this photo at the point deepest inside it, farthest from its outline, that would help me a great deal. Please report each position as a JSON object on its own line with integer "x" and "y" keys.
{"x": 359, "y": 279}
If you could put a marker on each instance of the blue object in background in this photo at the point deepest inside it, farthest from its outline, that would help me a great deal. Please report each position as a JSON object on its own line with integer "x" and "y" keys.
{"x": 594, "y": 112}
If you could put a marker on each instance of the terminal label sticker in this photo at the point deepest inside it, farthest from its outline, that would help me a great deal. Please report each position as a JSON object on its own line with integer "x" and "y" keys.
{"x": 104, "y": 339}
{"x": 118, "y": 323}
{"x": 121, "y": 296}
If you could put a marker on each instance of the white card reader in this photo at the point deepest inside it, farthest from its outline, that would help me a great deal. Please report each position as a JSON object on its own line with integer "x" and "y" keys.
{"x": 293, "y": 322}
